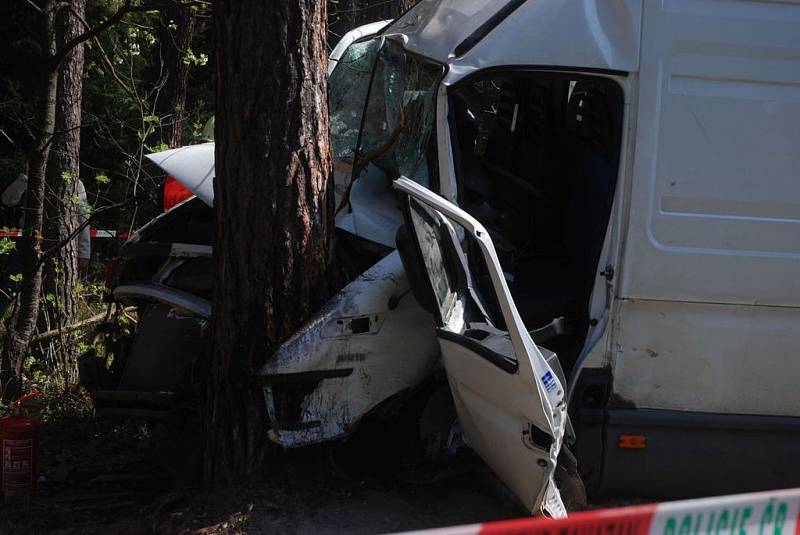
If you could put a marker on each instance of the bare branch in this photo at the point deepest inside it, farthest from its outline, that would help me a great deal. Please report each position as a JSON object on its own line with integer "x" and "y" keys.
{"x": 55, "y": 248}
{"x": 62, "y": 52}
{"x": 34, "y": 6}
{"x": 97, "y": 318}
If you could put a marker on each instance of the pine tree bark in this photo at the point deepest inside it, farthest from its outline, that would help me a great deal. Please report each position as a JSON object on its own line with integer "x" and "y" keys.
{"x": 175, "y": 36}
{"x": 62, "y": 213}
{"x": 273, "y": 208}
{"x": 22, "y": 323}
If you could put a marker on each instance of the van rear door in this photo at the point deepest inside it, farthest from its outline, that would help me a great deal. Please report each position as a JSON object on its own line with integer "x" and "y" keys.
{"x": 509, "y": 398}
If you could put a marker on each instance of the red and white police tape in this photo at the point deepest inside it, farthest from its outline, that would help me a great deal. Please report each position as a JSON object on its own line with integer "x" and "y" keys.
{"x": 762, "y": 513}
{"x": 121, "y": 234}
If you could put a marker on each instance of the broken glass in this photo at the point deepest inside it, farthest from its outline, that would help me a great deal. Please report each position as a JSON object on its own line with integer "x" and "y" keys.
{"x": 348, "y": 85}
{"x": 400, "y": 115}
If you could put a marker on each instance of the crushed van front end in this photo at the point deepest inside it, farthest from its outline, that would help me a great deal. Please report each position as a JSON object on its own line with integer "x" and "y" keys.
{"x": 371, "y": 342}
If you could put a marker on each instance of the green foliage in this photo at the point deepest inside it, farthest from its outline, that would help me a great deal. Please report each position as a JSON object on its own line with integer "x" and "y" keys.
{"x": 158, "y": 148}
{"x": 190, "y": 58}
{"x": 91, "y": 291}
{"x": 7, "y": 245}
{"x": 126, "y": 109}
{"x": 126, "y": 106}
{"x": 197, "y": 130}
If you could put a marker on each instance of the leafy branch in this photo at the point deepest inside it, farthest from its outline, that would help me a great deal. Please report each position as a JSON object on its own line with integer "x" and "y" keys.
{"x": 127, "y": 7}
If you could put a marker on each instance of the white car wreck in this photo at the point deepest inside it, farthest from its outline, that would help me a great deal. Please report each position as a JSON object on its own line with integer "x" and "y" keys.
{"x": 520, "y": 199}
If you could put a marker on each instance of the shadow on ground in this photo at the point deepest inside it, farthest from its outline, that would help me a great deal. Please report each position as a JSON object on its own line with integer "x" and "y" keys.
{"x": 111, "y": 477}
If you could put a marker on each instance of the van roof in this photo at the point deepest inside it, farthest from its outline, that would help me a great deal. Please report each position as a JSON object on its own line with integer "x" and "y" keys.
{"x": 474, "y": 34}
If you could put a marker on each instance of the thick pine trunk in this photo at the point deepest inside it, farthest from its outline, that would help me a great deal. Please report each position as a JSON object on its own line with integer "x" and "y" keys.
{"x": 22, "y": 323}
{"x": 62, "y": 214}
{"x": 273, "y": 207}
{"x": 175, "y": 35}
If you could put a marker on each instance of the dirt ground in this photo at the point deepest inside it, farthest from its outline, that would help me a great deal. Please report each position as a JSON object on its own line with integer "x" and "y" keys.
{"x": 106, "y": 477}
{"x": 99, "y": 477}
{"x": 369, "y": 507}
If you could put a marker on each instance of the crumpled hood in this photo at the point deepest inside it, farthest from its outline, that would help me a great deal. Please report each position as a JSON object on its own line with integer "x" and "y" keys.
{"x": 192, "y": 166}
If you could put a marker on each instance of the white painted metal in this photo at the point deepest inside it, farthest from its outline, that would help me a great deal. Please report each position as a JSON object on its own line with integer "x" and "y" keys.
{"x": 164, "y": 294}
{"x": 192, "y": 166}
{"x": 728, "y": 359}
{"x": 711, "y": 272}
{"x": 396, "y": 353}
{"x": 373, "y": 213}
{"x": 715, "y": 212}
{"x": 448, "y": 186}
{"x": 495, "y": 407}
{"x": 590, "y": 34}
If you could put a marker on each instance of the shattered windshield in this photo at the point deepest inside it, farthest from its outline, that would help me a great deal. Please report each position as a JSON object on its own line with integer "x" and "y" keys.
{"x": 348, "y": 86}
{"x": 400, "y": 116}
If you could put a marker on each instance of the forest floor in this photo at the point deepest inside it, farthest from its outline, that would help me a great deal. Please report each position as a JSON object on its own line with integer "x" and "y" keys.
{"x": 110, "y": 477}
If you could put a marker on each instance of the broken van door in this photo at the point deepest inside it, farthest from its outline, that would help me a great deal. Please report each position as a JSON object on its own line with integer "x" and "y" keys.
{"x": 510, "y": 400}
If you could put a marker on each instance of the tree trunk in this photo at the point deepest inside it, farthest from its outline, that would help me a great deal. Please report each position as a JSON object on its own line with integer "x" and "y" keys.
{"x": 62, "y": 213}
{"x": 273, "y": 209}
{"x": 23, "y": 322}
{"x": 175, "y": 35}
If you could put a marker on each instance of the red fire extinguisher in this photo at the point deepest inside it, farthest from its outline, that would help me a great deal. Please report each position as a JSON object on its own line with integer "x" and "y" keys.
{"x": 18, "y": 445}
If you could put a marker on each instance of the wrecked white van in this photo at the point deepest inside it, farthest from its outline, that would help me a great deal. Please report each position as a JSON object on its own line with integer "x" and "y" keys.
{"x": 607, "y": 188}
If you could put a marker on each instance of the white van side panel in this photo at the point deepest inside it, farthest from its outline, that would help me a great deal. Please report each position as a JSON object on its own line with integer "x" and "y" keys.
{"x": 710, "y": 279}
{"x": 708, "y": 358}
{"x": 716, "y": 197}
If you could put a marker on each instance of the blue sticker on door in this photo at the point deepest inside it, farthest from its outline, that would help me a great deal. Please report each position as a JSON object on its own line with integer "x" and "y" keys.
{"x": 549, "y": 381}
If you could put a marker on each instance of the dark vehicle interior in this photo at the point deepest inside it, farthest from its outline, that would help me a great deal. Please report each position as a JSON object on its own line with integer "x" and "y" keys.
{"x": 536, "y": 158}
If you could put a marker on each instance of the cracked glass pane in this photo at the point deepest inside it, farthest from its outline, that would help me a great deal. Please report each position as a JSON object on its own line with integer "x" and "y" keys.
{"x": 348, "y": 85}
{"x": 400, "y": 115}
